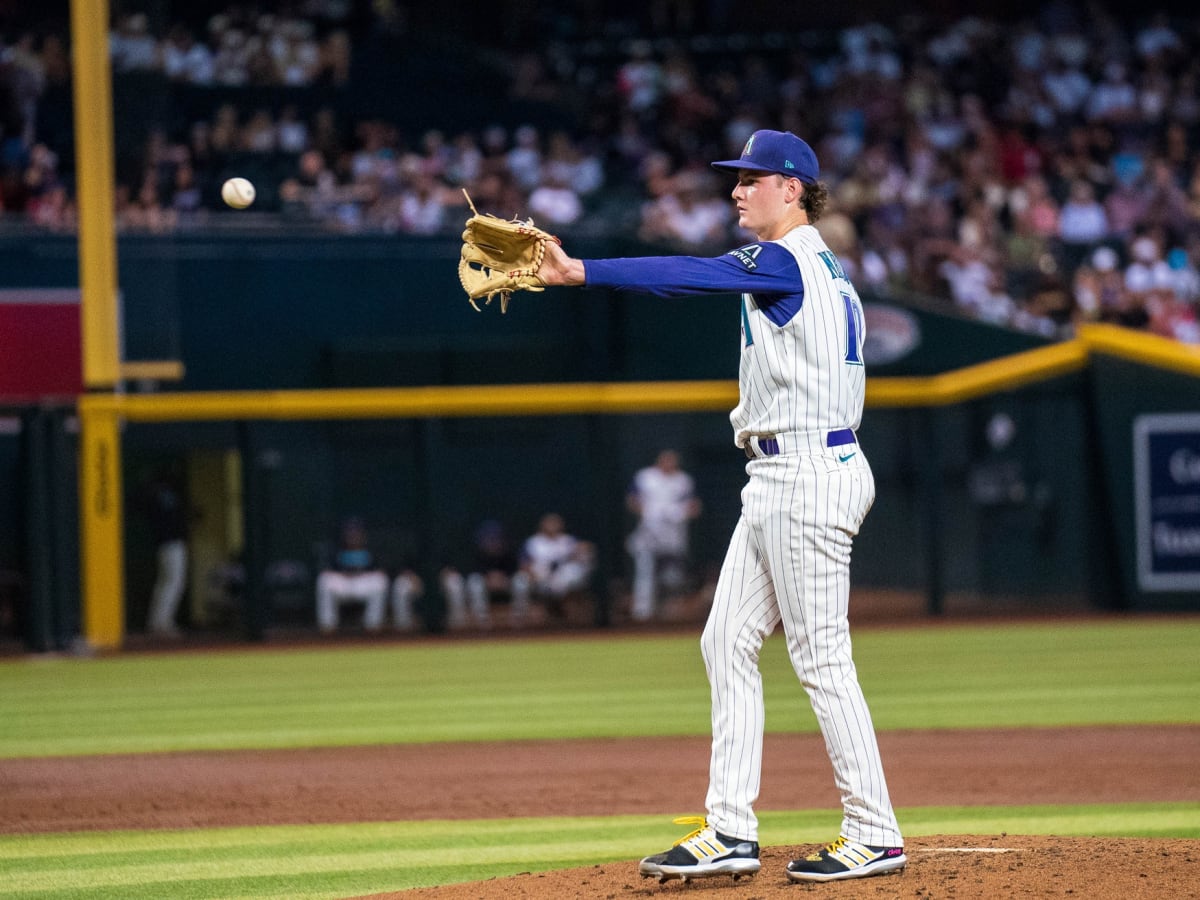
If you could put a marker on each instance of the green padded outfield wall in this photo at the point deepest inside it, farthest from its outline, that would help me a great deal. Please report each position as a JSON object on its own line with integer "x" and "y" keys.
{"x": 252, "y": 310}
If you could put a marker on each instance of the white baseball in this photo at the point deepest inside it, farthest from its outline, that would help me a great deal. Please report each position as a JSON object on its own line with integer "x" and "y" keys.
{"x": 238, "y": 193}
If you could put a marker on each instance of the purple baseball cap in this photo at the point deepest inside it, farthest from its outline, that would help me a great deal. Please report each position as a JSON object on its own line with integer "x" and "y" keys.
{"x": 780, "y": 152}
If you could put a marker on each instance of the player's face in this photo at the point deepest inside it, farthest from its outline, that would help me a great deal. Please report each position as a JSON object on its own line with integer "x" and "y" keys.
{"x": 761, "y": 201}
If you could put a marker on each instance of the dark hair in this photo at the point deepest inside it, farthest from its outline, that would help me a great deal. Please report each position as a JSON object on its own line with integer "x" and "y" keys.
{"x": 816, "y": 196}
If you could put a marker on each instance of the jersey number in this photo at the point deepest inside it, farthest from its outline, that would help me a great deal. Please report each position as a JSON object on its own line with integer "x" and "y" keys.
{"x": 854, "y": 330}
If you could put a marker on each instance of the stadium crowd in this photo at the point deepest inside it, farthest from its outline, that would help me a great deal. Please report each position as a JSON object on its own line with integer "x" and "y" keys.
{"x": 1037, "y": 173}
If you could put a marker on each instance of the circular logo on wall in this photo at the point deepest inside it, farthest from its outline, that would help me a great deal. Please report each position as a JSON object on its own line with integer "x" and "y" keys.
{"x": 892, "y": 333}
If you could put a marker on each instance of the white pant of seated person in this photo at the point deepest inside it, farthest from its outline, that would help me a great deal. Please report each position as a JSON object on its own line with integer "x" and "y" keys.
{"x": 335, "y": 588}
{"x": 467, "y": 599}
{"x": 406, "y": 588}
{"x": 563, "y": 579}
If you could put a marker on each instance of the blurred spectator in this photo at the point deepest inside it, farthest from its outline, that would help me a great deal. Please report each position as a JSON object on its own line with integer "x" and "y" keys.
{"x": 1083, "y": 221}
{"x": 555, "y": 202}
{"x": 186, "y": 59}
{"x": 935, "y": 134}
{"x": 291, "y": 131}
{"x": 354, "y": 575}
{"x": 1185, "y": 276}
{"x": 524, "y": 159}
{"x": 25, "y": 72}
{"x": 131, "y": 45}
{"x": 186, "y": 197}
{"x": 686, "y": 216}
{"x": 145, "y": 211}
{"x": 1098, "y": 286}
{"x": 163, "y": 502}
{"x": 493, "y": 577}
{"x": 556, "y": 562}
{"x": 422, "y": 207}
{"x": 663, "y": 497}
{"x": 1147, "y": 272}
{"x": 567, "y": 164}
{"x": 1113, "y": 100}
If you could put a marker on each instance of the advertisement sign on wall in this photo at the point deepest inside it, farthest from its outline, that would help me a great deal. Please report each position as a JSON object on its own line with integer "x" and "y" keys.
{"x": 40, "y": 355}
{"x": 1166, "y": 460}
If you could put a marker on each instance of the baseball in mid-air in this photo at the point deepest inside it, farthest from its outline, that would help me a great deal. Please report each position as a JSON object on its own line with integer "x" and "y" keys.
{"x": 237, "y": 192}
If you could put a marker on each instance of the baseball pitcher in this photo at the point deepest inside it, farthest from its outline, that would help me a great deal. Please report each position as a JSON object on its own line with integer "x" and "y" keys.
{"x": 801, "y": 381}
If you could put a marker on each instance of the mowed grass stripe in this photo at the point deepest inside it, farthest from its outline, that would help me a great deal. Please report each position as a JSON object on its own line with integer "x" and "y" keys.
{"x": 1100, "y": 672}
{"x": 338, "y": 860}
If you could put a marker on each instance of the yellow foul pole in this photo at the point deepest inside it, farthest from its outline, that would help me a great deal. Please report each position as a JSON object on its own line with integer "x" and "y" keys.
{"x": 103, "y": 578}
{"x": 100, "y": 510}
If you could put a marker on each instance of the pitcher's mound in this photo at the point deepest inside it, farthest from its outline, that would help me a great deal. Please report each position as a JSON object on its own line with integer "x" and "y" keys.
{"x": 945, "y": 866}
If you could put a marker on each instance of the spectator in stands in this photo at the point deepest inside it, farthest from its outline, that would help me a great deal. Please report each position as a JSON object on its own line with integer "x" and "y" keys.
{"x": 555, "y": 202}
{"x": 186, "y": 197}
{"x": 1147, "y": 274}
{"x": 917, "y": 121}
{"x": 524, "y": 158}
{"x": 465, "y": 162}
{"x": 687, "y": 216}
{"x": 1185, "y": 277}
{"x": 422, "y": 205}
{"x": 185, "y": 59}
{"x": 1083, "y": 223}
{"x": 291, "y": 131}
{"x": 146, "y": 211}
{"x": 567, "y": 163}
{"x": 131, "y": 45}
{"x": 1167, "y": 202}
{"x": 1114, "y": 100}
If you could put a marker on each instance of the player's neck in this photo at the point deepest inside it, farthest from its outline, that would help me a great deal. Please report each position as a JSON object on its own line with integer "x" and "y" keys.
{"x": 792, "y": 220}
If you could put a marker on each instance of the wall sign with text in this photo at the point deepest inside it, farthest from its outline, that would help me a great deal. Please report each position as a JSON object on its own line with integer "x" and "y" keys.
{"x": 1166, "y": 462}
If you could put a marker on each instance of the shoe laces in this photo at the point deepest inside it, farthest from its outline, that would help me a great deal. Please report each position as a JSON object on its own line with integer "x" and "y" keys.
{"x": 829, "y": 849}
{"x": 836, "y": 845}
{"x": 700, "y": 823}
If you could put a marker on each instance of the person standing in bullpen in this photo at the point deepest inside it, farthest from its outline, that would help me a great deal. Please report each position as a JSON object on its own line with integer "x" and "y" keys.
{"x": 801, "y": 389}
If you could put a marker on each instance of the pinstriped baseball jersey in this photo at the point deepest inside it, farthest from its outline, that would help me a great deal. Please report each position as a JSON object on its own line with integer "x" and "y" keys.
{"x": 802, "y": 327}
{"x": 801, "y": 365}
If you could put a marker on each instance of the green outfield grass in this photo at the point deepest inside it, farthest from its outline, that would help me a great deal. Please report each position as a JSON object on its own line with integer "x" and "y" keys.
{"x": 961, "y": 676}
{"x": 333, "y": 861}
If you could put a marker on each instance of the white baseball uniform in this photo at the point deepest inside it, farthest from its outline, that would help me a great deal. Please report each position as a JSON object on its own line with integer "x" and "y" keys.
{"x": 665, "y": 502}
{"x": 557, "y": 564}
{"x": 801, "y": 383}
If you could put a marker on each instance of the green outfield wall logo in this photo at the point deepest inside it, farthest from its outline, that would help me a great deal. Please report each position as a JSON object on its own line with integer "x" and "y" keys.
{"x": 1166, "y": 459}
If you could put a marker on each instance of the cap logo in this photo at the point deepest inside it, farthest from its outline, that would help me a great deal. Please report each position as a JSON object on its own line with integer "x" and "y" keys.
{"x": 749, "y": 144}
{"x": 787, "y": 164}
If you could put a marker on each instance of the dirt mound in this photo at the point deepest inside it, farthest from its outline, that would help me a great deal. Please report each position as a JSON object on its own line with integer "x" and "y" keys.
{"x": 947, "y": 866}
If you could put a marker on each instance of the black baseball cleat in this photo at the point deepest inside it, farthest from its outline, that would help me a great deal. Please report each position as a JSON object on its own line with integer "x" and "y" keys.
{"x": 702, "y": 854}
{"x": 847, "y": 859}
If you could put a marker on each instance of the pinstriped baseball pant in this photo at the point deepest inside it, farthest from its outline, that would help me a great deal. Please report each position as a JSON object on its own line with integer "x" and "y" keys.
{"x": 789, "y": 563}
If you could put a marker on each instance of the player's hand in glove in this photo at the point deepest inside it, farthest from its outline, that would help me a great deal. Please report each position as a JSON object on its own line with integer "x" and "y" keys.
{"x": 560, "y": 269}
{"x": 500, "y": 256}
